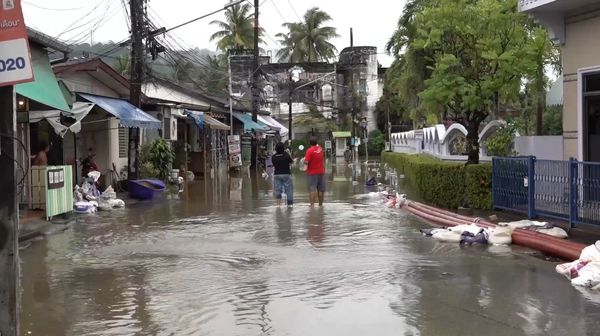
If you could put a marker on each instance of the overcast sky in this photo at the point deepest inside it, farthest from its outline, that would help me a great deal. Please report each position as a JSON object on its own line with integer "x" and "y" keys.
{"x": 373, "y": 21}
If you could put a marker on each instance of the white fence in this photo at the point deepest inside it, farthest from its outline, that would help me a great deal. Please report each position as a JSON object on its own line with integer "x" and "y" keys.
{"x": 445, "y": 144}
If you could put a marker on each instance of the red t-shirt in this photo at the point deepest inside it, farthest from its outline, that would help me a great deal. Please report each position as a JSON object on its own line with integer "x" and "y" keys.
{"x": 315, "y": 161}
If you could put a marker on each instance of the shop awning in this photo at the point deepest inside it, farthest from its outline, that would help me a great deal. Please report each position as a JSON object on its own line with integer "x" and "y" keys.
{"x": 249, "y": 124}
{"x": 44, "y": 89}
{"x": 197, "y": 117}
{"x": 201, "y": 119}
{"x": 215, "y": 124}
{"x": 341, "y": 134}
{"x": 283, "y": 131}
{"x": 78, "y": 112}
{"x": 128, "y": 115}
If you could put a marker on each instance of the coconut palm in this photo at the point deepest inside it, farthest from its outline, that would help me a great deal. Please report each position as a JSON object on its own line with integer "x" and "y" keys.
{"x": 308, "y": 40}
{"x": 123, "y": 65}
{"x": 237, "y": 31}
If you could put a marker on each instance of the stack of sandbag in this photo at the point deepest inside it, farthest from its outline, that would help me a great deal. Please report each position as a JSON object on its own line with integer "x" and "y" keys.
{"x": 585, "y": 271}
{"x": 463, "y": 234}
{"x": 108, "y": 200}
{"x": 500, "y": 235}
{"x": 541, "y": 227}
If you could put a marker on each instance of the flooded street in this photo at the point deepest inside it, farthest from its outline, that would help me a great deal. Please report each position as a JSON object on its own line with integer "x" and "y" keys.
{"x": 224, "y": 260}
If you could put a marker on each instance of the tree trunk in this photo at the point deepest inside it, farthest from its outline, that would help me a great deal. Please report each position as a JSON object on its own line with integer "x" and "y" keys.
{"x": 473, "y": 142}
{"x": 541, "y": 101}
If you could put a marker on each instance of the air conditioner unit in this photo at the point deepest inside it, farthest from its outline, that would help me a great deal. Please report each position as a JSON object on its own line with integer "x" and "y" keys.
{"x": 170, "y": 128}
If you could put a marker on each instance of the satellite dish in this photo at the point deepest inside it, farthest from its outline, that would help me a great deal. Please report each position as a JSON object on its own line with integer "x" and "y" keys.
{"x": 301, "y": 147}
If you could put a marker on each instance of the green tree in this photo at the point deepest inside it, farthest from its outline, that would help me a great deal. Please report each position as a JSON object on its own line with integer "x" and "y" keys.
{"x": 182, "y": 69}
{"x": 482, "y": 50}
{"x": 237, "y": 31}
{"x": 159, "y": 158}
{"x": 123, "y": 65}
{"x": 212, "y": 75}
{"x": 308, "y": 41}
{"x": 412, "y": 66}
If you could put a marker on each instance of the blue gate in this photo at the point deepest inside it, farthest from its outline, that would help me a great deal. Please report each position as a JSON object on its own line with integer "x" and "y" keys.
{"x": 567, "y": 190}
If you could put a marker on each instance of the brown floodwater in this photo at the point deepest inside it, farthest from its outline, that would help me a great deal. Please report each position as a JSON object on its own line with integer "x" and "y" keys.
{"x": 223, "y": 259}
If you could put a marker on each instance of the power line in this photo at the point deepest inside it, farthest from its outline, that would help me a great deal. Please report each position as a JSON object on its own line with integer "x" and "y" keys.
{"x": 294, "y": 9}
{"x": 51, "y": 9}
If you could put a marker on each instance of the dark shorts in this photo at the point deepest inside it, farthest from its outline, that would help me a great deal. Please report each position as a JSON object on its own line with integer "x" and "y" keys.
{"x": 316, "y": 183}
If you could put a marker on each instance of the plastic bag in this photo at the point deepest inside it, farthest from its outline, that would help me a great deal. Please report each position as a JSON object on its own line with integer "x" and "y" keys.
{"x": 470, "y": 238}
{"x": 109, "y": 193}
{"x": 94, "y": 175}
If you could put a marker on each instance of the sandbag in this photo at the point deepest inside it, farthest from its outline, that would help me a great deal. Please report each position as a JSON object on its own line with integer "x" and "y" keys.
{"x": 589, "y": 276}
{"x": 591, "y": 253}
{"x": 84, "y": 207}
{"x": 523, "y": 224}
{"x": 500, "y": 235}
{"x": 446, "y": 236}
{"x": 554, "y": 232}
{"x": 471, "y": 228}
{"x": 571, "y": 270}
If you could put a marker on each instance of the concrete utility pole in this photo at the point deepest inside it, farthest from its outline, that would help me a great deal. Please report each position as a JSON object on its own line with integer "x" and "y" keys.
{"x": 9, "y": 218}
{"x": 136, "y": 80}
{"x": 255, "y": 93}
{"x": 386, "y": 94}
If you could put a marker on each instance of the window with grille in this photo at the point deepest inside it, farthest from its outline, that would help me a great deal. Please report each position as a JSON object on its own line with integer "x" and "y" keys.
{"x": 123, "y": 141}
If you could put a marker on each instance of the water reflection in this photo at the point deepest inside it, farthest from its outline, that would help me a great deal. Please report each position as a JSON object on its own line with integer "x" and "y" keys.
{"x": 225, "y": 260}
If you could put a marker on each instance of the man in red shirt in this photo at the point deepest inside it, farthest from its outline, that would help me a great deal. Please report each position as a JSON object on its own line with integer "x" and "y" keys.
{"x": 315, "y": 171}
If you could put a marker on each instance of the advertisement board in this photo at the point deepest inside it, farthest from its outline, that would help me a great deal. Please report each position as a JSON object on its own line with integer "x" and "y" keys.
{"x": 15, "y": 56}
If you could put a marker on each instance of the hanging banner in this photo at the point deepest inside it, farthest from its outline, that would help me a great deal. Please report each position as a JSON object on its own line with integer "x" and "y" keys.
{"x": 15, "y": 57}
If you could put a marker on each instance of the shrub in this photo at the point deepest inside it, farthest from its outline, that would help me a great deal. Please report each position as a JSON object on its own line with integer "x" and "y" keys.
{"x": 445, "y": 184}
{"x": 478, "y": 186}
{"x": 160, "y": 155}
{"x": 376, "y": 143}
{"x": 501, "y": 143}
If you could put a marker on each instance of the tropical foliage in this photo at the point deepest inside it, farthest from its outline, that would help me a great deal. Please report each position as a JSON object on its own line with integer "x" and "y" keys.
{"x": 123, "y": 65}
{"x": 237, "y": 31}
{"x": 459, "y": 59}
{"x": 157, "y": 159}
{"x": 309, "y": 40}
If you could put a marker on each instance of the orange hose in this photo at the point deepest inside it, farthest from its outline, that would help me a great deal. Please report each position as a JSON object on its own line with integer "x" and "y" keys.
{"x": 554, "y": 246}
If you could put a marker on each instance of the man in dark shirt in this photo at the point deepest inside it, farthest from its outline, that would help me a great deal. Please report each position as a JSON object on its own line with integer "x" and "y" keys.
{"x": 283, "y": 174}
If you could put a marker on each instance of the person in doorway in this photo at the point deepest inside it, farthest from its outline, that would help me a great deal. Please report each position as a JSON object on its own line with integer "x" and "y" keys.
{"x": 41, "y": 158}
{"x": 283, "y": 175}
{"x": 348, "y": 155}
{"x": 315, "y": 171}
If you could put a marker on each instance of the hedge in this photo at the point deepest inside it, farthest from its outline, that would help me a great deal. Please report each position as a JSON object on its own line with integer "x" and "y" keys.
{"x": 446, "y": 184}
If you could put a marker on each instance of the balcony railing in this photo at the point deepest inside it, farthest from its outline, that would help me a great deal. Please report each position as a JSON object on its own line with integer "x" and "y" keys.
{"x": 526, "y": 5}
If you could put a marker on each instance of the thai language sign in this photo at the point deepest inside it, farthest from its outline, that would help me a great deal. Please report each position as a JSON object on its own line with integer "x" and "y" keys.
{"x": 15, "y": 58}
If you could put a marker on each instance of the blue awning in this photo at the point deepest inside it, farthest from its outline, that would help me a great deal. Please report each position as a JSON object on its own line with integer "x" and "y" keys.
{"x": 249, "y": 124}
{"x": 198, "y": 118}
{"x": 129, "y": 115}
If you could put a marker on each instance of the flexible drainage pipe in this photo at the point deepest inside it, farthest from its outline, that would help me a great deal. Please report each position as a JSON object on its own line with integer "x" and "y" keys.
{"x": 536, "y": 235}
{"x": 564, "y": 249}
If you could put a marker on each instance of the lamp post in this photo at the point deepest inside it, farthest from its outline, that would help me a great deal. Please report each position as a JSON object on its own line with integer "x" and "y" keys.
{"x": 294, "y": 78}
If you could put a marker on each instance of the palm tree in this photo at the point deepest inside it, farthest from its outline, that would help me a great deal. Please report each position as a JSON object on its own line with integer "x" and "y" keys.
{"x": 237, "y": 31}
{"x": 123, "y": 65}
{"x": 308, "y": 40}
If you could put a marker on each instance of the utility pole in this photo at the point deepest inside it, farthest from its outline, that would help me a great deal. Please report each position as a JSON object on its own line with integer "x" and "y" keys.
{"x": 290, "y": 96}
{"x": 9, "y": 219}
{"x": 230, "y": 94}
{"x": 135, "y": 83}
{"x": 386, "y": 94}
{"x": 255, "y": 94}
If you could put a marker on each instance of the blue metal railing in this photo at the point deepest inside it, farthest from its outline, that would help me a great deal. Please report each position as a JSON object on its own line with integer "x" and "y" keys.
{"x": 567, "y": 190}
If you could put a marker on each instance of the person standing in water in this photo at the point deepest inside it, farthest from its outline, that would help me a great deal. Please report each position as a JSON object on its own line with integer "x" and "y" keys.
{"x": 281, "y": 162}
{"x": 315, "y": 172}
